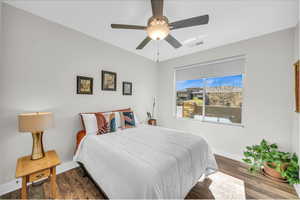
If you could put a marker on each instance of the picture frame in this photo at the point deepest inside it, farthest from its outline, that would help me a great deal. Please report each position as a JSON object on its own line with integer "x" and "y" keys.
{"x": 297, "y": 85}
{"x": 108, "y": 81}
{"x": 127, "y": 88}
{"x": 84, "y": 85}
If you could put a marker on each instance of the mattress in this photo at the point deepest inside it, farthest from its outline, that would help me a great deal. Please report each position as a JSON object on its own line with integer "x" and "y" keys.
{"x": 146, "y": 162}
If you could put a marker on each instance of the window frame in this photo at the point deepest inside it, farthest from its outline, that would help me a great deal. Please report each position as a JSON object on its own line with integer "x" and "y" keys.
{"x": 242, "y": 124}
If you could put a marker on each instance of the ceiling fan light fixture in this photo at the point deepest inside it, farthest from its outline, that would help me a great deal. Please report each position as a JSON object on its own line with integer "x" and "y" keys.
{"x": 158, "y": 29}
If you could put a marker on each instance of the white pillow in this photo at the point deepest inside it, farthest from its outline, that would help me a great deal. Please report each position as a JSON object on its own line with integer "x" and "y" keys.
{"x": 118, "y": 120}
{"x": 90, "y": 124}
{"x": 136, "y": 119}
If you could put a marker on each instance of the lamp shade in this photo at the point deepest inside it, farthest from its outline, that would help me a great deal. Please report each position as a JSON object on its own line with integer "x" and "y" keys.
{"x": 35, "y": 122}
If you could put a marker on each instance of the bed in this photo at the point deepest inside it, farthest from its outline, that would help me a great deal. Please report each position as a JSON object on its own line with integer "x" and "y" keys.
{"x": 146, "y": 162}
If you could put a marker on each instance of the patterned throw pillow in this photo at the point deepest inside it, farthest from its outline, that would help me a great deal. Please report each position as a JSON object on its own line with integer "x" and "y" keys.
{"x": 106, "y": 122}
{"x": 102, "y": 124}
{"x": 127, "y": 119}
{"x": 111, "y": 119}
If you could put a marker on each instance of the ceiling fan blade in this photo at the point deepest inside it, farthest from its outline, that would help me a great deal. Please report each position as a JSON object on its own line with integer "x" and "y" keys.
{"x": 144, "y": 43}
{"x": 195, "y": 21}
{"x": 157, "y": 7}
{"x": 172, "y": 41}
{"x": 125, "y": 26}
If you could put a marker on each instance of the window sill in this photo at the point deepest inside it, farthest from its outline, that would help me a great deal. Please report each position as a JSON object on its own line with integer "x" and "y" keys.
{"x": 212, "y": 122}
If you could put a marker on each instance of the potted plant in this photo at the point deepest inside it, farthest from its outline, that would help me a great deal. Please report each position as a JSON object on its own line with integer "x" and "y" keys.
{"x": 272, "y": 162}
{"x": 151, "y": 119}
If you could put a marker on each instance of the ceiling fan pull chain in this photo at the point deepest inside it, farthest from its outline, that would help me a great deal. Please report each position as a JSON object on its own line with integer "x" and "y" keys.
{"x": 157, "y": 60}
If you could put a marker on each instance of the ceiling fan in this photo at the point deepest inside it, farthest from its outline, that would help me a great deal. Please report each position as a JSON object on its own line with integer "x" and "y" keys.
{"x": 159, "y": 28}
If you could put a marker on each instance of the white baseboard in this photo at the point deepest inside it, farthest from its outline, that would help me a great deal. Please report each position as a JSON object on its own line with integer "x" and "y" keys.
{"x": 229, "y": 155}
{"x": 66, "y": 166}
{"x": 16, "y": 183}
{"x": 297, "y": 188}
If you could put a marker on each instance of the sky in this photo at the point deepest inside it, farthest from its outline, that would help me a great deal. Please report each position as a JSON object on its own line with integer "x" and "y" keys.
{"x": 236, "y": 81}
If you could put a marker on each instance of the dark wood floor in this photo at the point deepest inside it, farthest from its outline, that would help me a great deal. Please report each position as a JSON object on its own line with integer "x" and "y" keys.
{"x": 72, "y": 185}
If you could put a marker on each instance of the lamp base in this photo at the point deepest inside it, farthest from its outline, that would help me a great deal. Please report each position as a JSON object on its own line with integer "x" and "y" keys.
{"x": 37, "y": 146}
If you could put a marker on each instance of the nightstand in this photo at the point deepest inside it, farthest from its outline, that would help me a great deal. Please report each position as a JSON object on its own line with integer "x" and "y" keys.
{"x": 34, "y": 170}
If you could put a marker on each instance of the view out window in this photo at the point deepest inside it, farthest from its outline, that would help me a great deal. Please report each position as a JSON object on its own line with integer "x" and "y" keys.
{"x": 214, "y": 96}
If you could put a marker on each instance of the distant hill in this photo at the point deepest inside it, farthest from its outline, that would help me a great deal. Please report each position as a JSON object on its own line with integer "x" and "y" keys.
{"x": 223, "y": 89}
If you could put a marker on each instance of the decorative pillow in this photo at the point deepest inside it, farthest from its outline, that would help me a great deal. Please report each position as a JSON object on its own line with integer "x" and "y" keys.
{"x": 90, "y": 124}
{"x": 111, "y": 120}
{"x": 118, "y": 120}
{"x": 136, "y": 119}
{"x": 113, "y": 123}
{"x": 106, "y": 122}
{"x": 127, "y": 120}
{"x": 102, "y": 124}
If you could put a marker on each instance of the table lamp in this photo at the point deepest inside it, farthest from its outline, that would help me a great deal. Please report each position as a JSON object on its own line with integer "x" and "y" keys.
{"x": 36, "y": 123}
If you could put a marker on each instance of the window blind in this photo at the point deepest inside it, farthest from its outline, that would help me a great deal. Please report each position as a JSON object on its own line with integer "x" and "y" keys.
{"x": 228, "y": 67}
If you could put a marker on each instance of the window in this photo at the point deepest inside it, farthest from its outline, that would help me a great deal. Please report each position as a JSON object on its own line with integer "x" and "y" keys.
{"x": 211, "y": 92}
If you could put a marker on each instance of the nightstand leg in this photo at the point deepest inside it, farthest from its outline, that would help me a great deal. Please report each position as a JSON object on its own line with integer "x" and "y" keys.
{"x": 24, "y": 187}
{"x": 53, "y": 182}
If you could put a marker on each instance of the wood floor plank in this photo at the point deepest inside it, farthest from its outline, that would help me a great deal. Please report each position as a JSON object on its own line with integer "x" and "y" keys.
{"x": 71, "y": 191}
{"x": 84, "y": 192}
{"x": 74, "y": 185}
{"x": 252, "y": 194}
{"x": 259, "y": 179}
{"x": 281, "y": 187}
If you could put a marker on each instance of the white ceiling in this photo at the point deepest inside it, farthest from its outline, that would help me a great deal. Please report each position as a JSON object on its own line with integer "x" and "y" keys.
{"x": 230, "y": 20}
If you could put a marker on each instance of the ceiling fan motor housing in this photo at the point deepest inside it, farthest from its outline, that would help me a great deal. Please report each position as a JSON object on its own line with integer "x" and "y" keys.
{"x": 158, "y": 28}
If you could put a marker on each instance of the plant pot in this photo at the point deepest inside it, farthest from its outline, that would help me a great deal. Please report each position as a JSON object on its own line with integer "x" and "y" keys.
{"x": 152, "y": 122}
{"x": 272, "y": 172}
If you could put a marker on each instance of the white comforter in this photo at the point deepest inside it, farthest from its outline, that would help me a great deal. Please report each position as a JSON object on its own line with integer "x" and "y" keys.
{"x": 146, "y": 162}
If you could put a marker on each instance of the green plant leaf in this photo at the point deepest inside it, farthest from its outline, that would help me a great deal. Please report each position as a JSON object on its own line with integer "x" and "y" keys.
{"x": 256, "y": 155}
{"x": 248, "y": 154}
{"x": 273, "y": 146}
{"x": 248, "y": 148}
{"x": 248, "y": 161}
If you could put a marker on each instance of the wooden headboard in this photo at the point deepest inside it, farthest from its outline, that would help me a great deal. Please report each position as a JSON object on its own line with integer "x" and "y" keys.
{"x": 120, "y": 110}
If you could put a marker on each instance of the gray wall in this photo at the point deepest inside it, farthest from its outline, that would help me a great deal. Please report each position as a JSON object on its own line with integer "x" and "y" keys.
{"x": 268, "y": 94}
{"x": 40, "y": 64}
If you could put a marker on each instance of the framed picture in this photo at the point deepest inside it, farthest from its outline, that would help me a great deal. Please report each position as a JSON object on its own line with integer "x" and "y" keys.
{"x": 297, "y": 85}
{"x": 127, "y": 88}
{"x": 84, "y": 85}
{"x": 109, "y": 80}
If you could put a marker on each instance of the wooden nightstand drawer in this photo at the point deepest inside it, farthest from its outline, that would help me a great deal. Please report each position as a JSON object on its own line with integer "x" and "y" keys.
{"x": 39, "y": 175}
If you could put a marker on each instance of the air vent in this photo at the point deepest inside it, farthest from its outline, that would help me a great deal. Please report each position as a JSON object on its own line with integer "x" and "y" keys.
{"x": 199, "y": 43}
{"x": 194, "y": 42}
